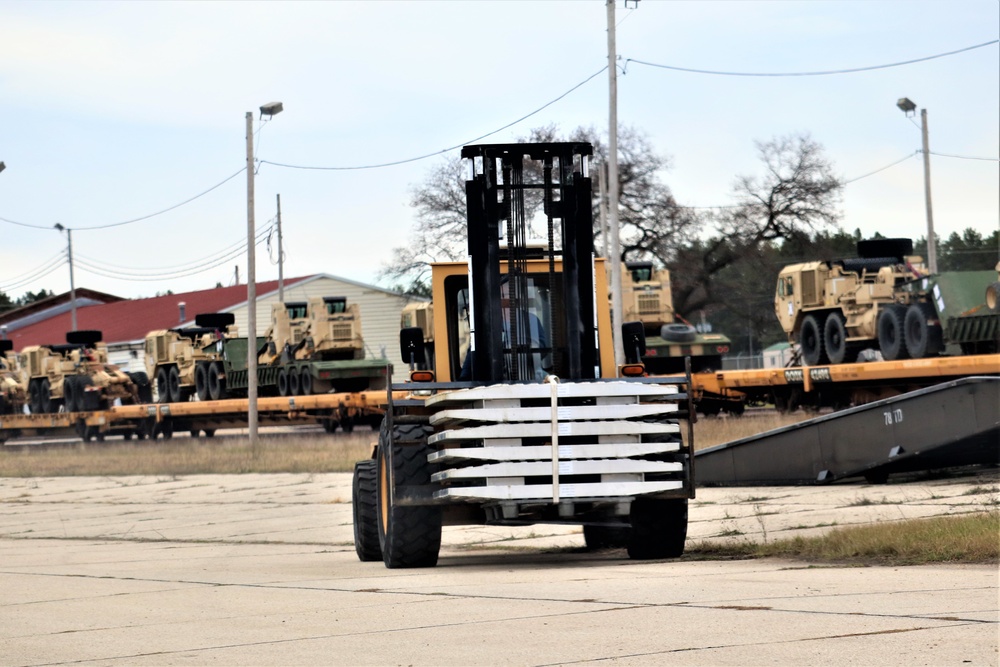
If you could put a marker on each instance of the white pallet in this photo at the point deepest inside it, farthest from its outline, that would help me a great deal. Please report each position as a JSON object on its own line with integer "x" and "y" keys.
{"x": 563, "y": 413}
{"x": 540, "y": 452}
{"x": 543, "y": 492}
{"x": 564, "y": 390}
{"x": 544, "y": 429}
{"x": 570, "y": 467}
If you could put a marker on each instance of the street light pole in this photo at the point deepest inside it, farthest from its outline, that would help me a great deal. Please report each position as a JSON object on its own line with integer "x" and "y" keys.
{"x": 614, "y": 255}
{"x": 908, "y": 107}
{"x": 270, "y": 109}
{"x": 251, "y": 292}
{"x": 72, "y": 283}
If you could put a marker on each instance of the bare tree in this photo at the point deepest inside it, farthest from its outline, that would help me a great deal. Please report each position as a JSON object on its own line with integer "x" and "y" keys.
{"x": 649, "y": 214}
{"x": 797, "y": 193}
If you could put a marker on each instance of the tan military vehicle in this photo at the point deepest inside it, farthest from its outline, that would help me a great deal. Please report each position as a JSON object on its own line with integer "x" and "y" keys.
{"x": 886, "y": 299}
{"x": 13, "y": 394}
{"x": 175, "y": 357}
{"x": 646, "y": 298}
{"x": 313, "y": 347}
{"x": 76, "y": 376}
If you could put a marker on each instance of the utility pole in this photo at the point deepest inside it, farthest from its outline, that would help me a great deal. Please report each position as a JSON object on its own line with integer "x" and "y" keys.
{"x": 281, "y": 259}
{"x": 251, "y": 293}
{"x": 614, "y": 256}
{"x": 72, "y": 283}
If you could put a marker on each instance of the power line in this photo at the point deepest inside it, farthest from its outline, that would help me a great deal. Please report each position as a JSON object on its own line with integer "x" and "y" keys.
{"x": 111, "y": 272}
{"x": 966, "y": 157}
{"x": 443, "y": 150}
{"x": 37, "y": 275}
{"x": 872, "y": 173}
{"x": 820, "y": 73}
{"x": 139, "y": 219}
{"x": 97, "y": 271}
{"x": 18, "y": 278}
{"x": 239, "y": 245}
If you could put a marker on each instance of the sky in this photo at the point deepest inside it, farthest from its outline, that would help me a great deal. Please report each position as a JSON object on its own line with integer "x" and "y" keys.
{"x": 112, "y": 112}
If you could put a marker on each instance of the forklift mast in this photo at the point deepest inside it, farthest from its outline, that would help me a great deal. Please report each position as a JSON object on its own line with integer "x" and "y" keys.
{"x": 505, "y": 180}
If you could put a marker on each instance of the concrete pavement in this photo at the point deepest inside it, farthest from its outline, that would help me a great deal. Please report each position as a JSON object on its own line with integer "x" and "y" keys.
{"x": 261, "y": 570}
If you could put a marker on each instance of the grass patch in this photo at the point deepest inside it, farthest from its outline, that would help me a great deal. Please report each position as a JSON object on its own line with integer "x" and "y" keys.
{"x": 968, "y": 538}
{"x": 290, "y": 453}
{"x": 709, "y": 432}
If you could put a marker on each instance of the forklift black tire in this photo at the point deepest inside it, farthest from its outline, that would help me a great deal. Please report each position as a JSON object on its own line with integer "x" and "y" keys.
{"x": 659, "y": 528}
{"x": 409, "y": 536}
{"x": 606, "y": 537}
{"x": 364, "y": 500}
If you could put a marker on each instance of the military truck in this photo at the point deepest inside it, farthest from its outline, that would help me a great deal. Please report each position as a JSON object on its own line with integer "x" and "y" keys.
{"x": 646, "y": 298}
{"x": 478, "y": 438}
{"x": 13, "y": 395}
{"x": 311, "y": 347}
{"x": 176, "y": 358}
{"x": 76, "y": 376}
{"x": 885, "y": 298}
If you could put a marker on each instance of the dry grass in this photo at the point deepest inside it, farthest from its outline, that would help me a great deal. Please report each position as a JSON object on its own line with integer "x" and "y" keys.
{"x": 711, "y": 431}
{"x": 315, "y": 452}
{"x": 968, "y": 538}
{"x": 308, "y": 452}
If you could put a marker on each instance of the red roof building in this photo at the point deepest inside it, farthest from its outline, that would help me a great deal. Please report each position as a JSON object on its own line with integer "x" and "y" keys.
{"x": 132, "y": 319}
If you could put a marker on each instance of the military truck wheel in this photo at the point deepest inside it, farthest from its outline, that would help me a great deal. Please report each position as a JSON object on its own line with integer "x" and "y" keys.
{"x": 143, "y": 390}
{"x": 216, "y": 389}
{"x": 835, "y": 338}
{"x": 364, "y": 501}
{"x": 294, "y": 382}
{"x": 162, "y": 386}
{"x": 283, "y": 382}
{"x": 69, "y": 394}
{"x": 174, "y": 385}
{"x": 306, "y": 382}
{"x": 922, "y": 331}
{"x": 811, "y": 341}
{"x": 201, "y": 382}
{"x": 659, "y": 528}
{"x": 33, "y": 407}
{"x": 409, "y": 536}
{"x": 993, "y": 297}
{"x": 891, "y": 341}
{"x": 45, "y": 396}
{"x": 606, "y": 537}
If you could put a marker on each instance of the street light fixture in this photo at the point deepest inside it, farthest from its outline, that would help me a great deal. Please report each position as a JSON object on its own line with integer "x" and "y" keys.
{"x": 907, "y": 106}
{"x": 72, "y": 284}
{"x": 269, "y": 109}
